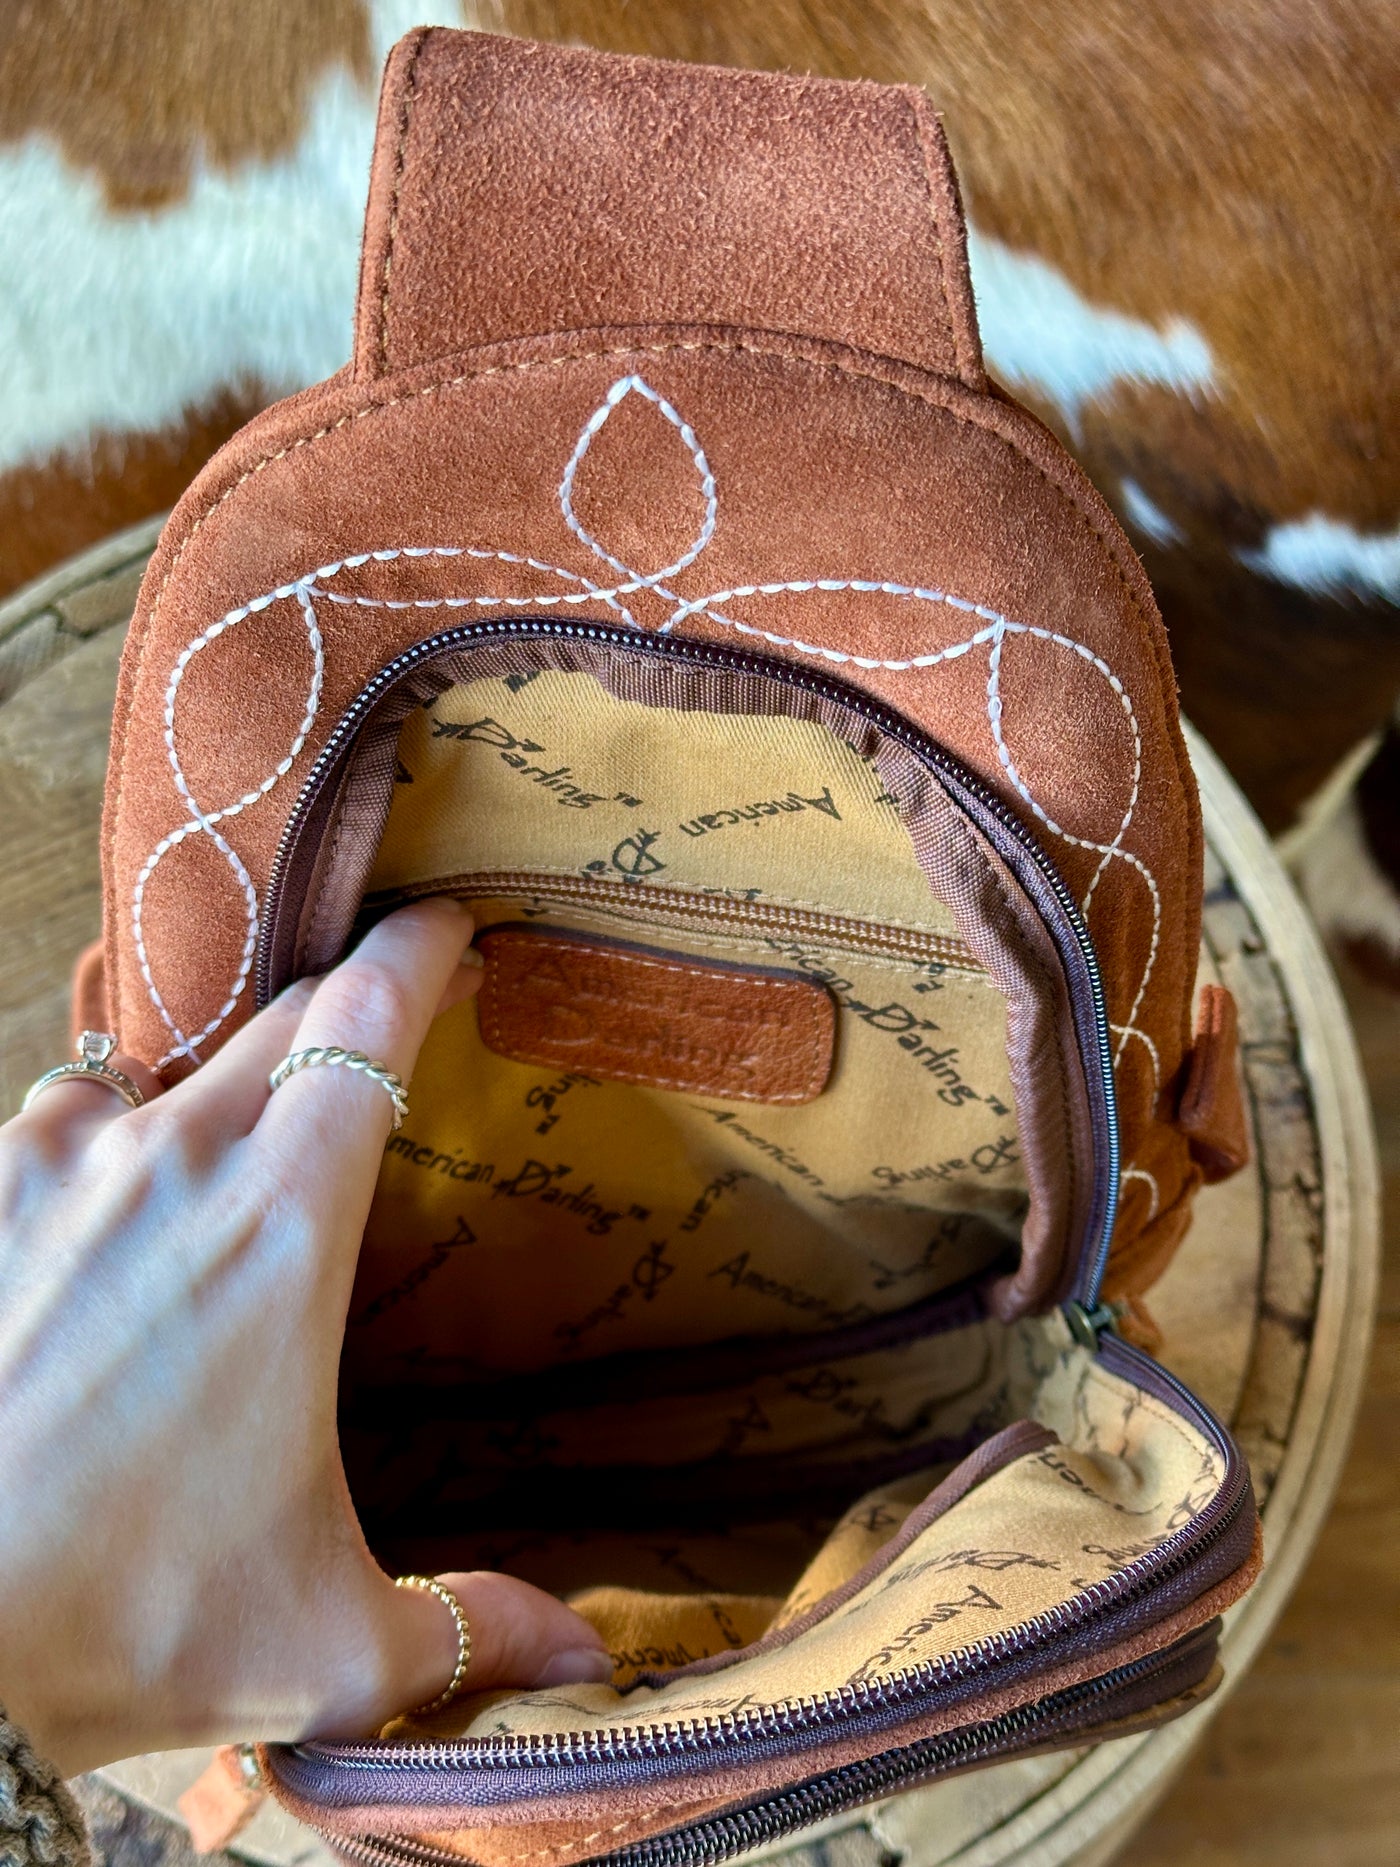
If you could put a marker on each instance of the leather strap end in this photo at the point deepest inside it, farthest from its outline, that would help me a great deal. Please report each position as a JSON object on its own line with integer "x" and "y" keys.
{"x": 220, "y": 1803}
{"x": 1211, "y": 1111}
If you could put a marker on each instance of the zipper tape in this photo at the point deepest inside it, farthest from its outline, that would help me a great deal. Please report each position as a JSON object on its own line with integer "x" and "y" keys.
{"x": 680, "y": 909}
{"x": 705, "y": 1497}
{"x": 298, "y": 849}
{"x": 1070, "y": 1715}
{"x": 641, "y": 1375}
{"x": 1132, "y": 1689}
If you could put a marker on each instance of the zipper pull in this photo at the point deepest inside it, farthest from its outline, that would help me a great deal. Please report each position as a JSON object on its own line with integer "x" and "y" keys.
{"x": 1088, "y": 1327}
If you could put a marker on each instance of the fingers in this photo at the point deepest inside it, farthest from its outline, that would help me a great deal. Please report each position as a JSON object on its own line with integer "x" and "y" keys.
{"x": 381, "y": 1001}
{"x": 232, "y": 1087}
{"x": 407, "y": 970}
{"x": 521, "y": 1637}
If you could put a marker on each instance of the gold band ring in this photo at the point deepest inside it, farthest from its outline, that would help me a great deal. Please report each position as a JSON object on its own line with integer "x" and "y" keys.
{"x": 464, "y": 1640}
{"x": 353, "y": 1060}
{"x": 94, "y": 1048}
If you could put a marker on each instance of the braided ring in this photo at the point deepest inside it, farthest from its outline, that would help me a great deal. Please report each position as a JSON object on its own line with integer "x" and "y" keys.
{"x": 353, "y": 1060}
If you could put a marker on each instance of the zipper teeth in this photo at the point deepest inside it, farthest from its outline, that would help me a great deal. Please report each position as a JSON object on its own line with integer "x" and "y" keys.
{"x": 713, "y": 655}
{"x": 799, "y": 1807}
{"x": 693, "y": 1735}
{"x": 868, "y": 1780}
{"x": 704, "y": 911}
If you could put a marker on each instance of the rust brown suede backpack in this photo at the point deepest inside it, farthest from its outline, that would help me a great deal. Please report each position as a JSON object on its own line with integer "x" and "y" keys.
{"x": 665, "y": 576}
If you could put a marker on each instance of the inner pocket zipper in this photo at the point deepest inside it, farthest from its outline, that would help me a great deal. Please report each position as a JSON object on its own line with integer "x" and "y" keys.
{"x": 1130, "y": 1690}
{"x": 691, "y": 911}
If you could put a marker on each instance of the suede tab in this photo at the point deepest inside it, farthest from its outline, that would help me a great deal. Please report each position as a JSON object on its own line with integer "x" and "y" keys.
{"x": 523, "y": 189}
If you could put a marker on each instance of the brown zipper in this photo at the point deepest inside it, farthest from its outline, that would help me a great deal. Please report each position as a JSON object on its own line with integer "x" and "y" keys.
{"x": 690, "y": 911}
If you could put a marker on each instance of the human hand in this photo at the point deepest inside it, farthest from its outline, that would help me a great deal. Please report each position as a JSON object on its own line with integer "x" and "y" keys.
{"x": 179, "y": 1558}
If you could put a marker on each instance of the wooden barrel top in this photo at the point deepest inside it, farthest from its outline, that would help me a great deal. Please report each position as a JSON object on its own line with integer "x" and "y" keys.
{"x": 1266, "y": 1311}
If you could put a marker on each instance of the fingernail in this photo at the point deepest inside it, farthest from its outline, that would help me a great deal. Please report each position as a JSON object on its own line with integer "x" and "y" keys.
{"x": 473, "y": 957}
{"x": 577, "y": 1666}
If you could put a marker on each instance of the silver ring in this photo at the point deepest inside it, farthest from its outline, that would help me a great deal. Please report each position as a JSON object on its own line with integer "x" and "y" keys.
{"x": 94, "y": 1048}
{"x": 353, "y": 1060}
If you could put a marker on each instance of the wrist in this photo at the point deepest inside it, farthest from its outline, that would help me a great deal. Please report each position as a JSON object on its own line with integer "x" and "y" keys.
{"x": 30, "y": 1709}
{"x": 50, "y": 1688}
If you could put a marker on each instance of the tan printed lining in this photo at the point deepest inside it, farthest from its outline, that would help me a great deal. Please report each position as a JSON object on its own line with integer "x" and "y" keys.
{"x": 555, "y": 774}
{"x": 639, "y": 1217}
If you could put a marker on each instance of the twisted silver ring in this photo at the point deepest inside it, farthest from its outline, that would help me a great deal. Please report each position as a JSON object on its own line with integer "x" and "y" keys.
{"x": 94, "y": 1048}
{"x": 353, "y": 1060}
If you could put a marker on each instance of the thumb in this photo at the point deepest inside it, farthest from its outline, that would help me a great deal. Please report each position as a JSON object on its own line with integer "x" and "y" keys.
{"x": 520, "y": 1636}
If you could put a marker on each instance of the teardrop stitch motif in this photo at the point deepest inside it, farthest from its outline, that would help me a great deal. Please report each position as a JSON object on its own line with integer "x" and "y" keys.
{"x": 593, "y": 427}
{"x": 306, "y": 591}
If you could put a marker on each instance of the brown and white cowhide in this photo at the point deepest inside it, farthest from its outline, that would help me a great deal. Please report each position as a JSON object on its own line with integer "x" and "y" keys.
{"x": 1181, "y": 251}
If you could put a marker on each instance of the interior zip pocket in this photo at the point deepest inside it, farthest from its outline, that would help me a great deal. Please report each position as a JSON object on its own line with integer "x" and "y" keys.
{"x": 703, "y": 915}
{"x": 318, "y": 881}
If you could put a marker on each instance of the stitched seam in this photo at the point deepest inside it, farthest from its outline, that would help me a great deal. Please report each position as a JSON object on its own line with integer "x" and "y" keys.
{"x": 621, "y": 389}
{"x": 1150, "y": 1404}
{"x": 1111, "y": 849}
{"x": 308, "y": 587}
{"x": 203, "y": 822}
{"x": 430, "y": 884}
{"x": 598, "y": 1834}
{"x": 723, "y": 943}
{"x": 586, "y": 356}
{"x": 1125, "y": 1031}
{"x": 405, "y": 114}
{"x": 922, "y": 143}
{"x": 1141, "y": 1173}
{"x": 809, "y": 1088}
{"x": 1064, "y": 497}
{"x": 669, "y": 965}
{"x": 747, "y": 943}
{"x": 1192, "y": 1441}
{"x": 812, "y": 1085}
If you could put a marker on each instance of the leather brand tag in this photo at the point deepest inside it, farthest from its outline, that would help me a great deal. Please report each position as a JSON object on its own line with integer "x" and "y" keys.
{"x": 629, "y": 1014}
